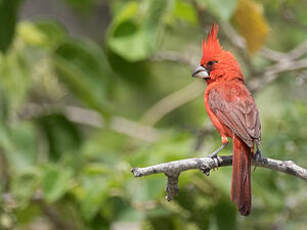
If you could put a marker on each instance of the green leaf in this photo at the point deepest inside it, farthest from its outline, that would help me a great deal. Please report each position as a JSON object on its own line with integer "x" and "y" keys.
{"x": 23, "y": 187}
{"x": 185, "y": 11}
{"x": 8, "y": 14}
{"x": 134, "y": 34}
{"x": 15, "y": 77}
{"x": 95, "y": 192}
{"x": 83, "y": 67}
{"x": 82, "y": 5}
{"x": 130, "y": 214}
{"x": 62, "y": 135}
{"x": 142, "y": 191}
{"x": 54, "y": 33}
{"x": 221, "y": 8}
{"x": 19, "y": 143}
{"x": 47, "y": 34}
{"x": 225, "y": 213}
{"x": 55, "y": 182}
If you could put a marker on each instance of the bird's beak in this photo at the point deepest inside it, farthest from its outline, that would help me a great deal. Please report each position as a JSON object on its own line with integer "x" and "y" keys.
{"x": 200, "y": 72}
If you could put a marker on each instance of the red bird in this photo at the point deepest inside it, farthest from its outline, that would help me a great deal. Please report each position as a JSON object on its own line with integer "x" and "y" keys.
{"x": 233, "y": 111}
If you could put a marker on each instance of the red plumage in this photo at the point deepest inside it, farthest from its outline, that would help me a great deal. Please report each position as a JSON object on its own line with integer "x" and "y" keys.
{"x": 233, "y": 112}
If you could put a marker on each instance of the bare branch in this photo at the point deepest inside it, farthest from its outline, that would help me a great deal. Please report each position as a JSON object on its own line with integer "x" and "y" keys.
{"x": 298, "y": 51}
{"x": 175, "y": 57}
{"x": 272, "y": 55}
{"x": 94, "y": 119}
{"x": 286, "y": 62}
{"x": 271, "y": 73}
{"x": 205, "y": 164}
{"x": 118, "y": 124}
{"x": 277, "y": 56}
{"x": 171, "y": 102}
{"x": 193, "y": 90}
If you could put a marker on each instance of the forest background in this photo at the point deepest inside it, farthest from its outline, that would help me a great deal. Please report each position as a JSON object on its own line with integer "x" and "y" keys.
{"x": 90, "y": 89}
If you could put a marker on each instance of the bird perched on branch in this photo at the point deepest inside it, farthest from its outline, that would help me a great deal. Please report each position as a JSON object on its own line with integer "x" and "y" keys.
{"x": 233, "y": 111}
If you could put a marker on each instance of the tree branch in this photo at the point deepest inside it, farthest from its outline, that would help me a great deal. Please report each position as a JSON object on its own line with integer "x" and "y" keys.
{"x": 171, "y": 102}
{"x": 173, "y": 56}
{"x": 93, "y": 119}
{"x": 286, "y": 62}
{"x": 205, "y": 164}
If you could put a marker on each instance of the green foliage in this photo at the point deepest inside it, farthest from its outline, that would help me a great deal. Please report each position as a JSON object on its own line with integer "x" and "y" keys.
{"x": 222, "y": 9}
{"x": 83, "y": 68}
{"x": 63, "y": 137}
{"x": 135, "y": 30}
{"x": 185, "y": 11}
{"x": 8, "y": 16}
{"x": 67, "y": 150}
{"x": 55, "y": 182}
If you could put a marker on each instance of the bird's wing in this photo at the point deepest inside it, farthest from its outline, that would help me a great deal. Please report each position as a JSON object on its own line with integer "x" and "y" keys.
{"x": 235, "y": 107}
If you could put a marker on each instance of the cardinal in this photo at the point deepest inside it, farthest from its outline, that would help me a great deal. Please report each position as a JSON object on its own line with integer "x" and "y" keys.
{"x": 233, "y": 112}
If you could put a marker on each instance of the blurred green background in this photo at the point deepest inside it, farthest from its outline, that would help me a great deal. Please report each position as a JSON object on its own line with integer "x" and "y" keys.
{"x": 90, "y": 89}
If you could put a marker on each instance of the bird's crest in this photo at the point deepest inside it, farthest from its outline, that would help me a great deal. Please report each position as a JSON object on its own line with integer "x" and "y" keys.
{"x": 211, "y": 47}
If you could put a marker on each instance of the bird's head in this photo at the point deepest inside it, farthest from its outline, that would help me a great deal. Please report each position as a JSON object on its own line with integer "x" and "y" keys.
{"x": 216, "y": 63}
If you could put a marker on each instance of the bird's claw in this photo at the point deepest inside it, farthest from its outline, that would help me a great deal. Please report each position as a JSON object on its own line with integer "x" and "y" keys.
{"x": 205, "y": 169}
{"x": 257, "y": 155}
{"x": 213, "y": 155}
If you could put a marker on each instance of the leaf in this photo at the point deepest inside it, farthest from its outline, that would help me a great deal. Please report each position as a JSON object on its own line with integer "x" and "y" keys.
{"x": 83, "y": 67}
{"x": 251, "y": 24}
{"x": 54, "y": 33}
{"x": 23, "y": 187}
{"x": 30, "y": 34}
{"x": 46, "y": 34}
{"x": 130, "y": 214}
{"x": 62, "y": 135}
{"x": 8, "y": 14}
{"x": 225, "y": 213}
{"x": 221, "y": 8}
{"x": 15, "y": 77}
{"x": 95, "y": 192}
{"x": 55, "y": 182}
{"x": 82, "y": 5}
{"x": 142, "y": 191}
{"x": 185, "y": 11}
{"x": 19, "y": 143}
{"x": 134, "y": 34}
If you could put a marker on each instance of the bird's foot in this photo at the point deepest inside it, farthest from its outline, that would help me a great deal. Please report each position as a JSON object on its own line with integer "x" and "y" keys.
{"x": 214, "y": 154}
{"x": 205, "y": 169}
{"x": 257, "y": 155}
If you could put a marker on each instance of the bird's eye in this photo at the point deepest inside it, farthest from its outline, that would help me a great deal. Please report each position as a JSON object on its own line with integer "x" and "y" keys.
{"x": 210, "y": 63}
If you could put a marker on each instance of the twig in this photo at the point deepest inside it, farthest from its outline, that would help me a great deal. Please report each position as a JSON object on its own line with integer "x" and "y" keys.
{"x": 285, "y": 63}
{"x": 171, "y": 102}
{"x": 91, "y": 118}
{"x": 277, "y": 56}
{"x": 175, "y": 57}
{"x": 118, "y": 124}
{"x": 205, "y": 164}
{"x": 271, "y": 73}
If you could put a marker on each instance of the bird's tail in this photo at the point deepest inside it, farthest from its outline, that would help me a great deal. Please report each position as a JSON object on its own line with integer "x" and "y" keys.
{"x": 241, "y": 176}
